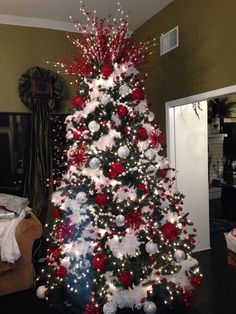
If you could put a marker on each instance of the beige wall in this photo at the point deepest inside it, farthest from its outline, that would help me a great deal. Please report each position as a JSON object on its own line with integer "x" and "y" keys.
{"x": 206, "y": 58}
{"x": 25, "y": 47}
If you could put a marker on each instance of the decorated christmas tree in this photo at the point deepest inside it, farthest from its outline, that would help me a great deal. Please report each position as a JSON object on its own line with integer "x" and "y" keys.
{"x": 120, "y": 238}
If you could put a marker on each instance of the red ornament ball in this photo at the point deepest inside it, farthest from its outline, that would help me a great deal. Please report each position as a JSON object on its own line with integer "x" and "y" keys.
{"x": 56, "y": 212}
{"x": 106, "y": 70}
{"x": 56, "y": 253}
{"x": 195, "y": 280}
{"x": 77, "y": 101}
{"x": 163, "y": 173}
{"x": 126, "y": 278}
{"x": 99, "y": 261}
{"x": 142, "y": 187}
{"x": 61, "y": 272}
{"x": 138, "y": 94}
{"x": 170, "y": 231}
{"x": 116, "y": 169}
{"x": 142, "y": 133}
{"x": 101, "y": 199}
{"x": 122, "y": 111}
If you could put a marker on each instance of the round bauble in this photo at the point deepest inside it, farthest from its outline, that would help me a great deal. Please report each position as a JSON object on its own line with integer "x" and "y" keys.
{"x": 93, "y": 126}
{"x": 149, "y": 307}
{"x": 105, "y": 99}
{"x": 120, "y": 220}
{"x": 41, "y": 292}
{"x": 94, "y": 163}
{"x": 150, "y": 153}
{"x": 109, "y": 308}
{"x": 151, "y": 248}
{"x": 151, "y": 116}
{"x": 124, "y": 90}
{"x": 123, "y": 151}
{"x": 81, "y": 197}
{"x": 179, "y": 255}
{"x": 151, "y": 170}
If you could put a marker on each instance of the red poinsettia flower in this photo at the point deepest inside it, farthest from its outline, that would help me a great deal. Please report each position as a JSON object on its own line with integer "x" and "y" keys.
{"x": 116, "y": 169}
{"x": 156, "y": 138}
{"x": 134, "y": 220}
{"x": 78, "y": 157}
{"x": 170, "y": 231}
{"x": 138, "y": 94}
{"x": 142, "y": 187}
{"x": 106, "y": 70}
{"x": 126, "y": 278}
{"x": 101, "y": 199}
{"x": 99, "y": 262}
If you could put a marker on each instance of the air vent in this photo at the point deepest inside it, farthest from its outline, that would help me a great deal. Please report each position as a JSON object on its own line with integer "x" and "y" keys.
{"x": 169, "y": 40}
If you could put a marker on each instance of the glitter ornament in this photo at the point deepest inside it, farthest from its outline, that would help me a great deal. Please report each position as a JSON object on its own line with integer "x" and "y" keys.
{"x": 179, "y": 255}
{"x": 41, "y": 292}
{"x": 123, "y": 151}
{"x": 151, "y": 248}
{"x": 120, "y": 220}
{"x": 124, "y": 90}
{"x": 149, "y": 307}
{"x": 94, "y": 163}
{"x": 150, "y": 153}
{"x": 81, "y": 197}
{"x": 105, "y": 99}
{"x": 151, "y": 116}
{"x": 109, "y": 308}
{"x": 93, "y": 126}
{"x": 151, "y": 170}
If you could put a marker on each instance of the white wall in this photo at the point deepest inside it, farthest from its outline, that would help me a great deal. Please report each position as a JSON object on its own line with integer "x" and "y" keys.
{"x": 191, "y": 161}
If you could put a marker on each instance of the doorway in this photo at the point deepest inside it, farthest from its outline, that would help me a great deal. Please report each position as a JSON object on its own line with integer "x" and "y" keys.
{"x": 187, "y": 151}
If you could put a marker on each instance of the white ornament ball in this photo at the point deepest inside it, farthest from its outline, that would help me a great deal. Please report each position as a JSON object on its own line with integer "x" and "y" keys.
{"x": 93, "y": 126}
{"x": 81, "y": 197}
{"x": 94, "y": 163}
{"x": 149, "y": 307}
{"x": 123, "y": 151}
{"x": 151, "y": 116}
{"x": 120, "y": 220}
{"x": 105, "y": 99}
{"x": 151, "y": 248}
{"x": 150, "y": 153}
{"x": 179, "y": 255}
{"x": 41, "y": 292}
{"x": 124, "y": 90}
{"x": 109, "y": 308}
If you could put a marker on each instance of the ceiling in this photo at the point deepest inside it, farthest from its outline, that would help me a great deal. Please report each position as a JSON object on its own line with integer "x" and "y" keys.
{"x": 55, "y": 13}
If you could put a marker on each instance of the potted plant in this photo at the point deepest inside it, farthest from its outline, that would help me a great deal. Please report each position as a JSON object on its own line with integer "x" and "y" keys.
{"x": 218, "y": 109}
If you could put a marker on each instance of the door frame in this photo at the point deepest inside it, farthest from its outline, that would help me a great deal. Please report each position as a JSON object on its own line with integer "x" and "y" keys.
{"x": 170, "y": 121}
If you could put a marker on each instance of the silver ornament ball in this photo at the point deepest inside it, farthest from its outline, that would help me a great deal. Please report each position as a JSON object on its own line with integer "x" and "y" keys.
{"x": 151, "y": 170}
{"x": 123, "y": 151}
{"x": 151, "y": 248}
{"x": 105, "y": 99}
{"x": 120, "y": 220}
{"x": 150, "y": 153}
{"x": 41, "y": 291}
{"x": 81, "y": 197}
{"x": 149, "y": 307}
{"x": 124, "y": 90}
{"x": 109, "y": 308}
{"x": 179, "y": 255}
{"x": 151, "y": 116}
{"x": 93, "y": 126}
{"x": 94, "y": 163}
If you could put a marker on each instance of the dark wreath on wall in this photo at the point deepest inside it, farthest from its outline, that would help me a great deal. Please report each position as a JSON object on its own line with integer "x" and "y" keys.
{"x": 41, "y": 91}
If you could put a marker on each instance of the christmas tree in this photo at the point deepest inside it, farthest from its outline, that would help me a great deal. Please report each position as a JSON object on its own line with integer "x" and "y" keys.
{"x": 120, "y": 238}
